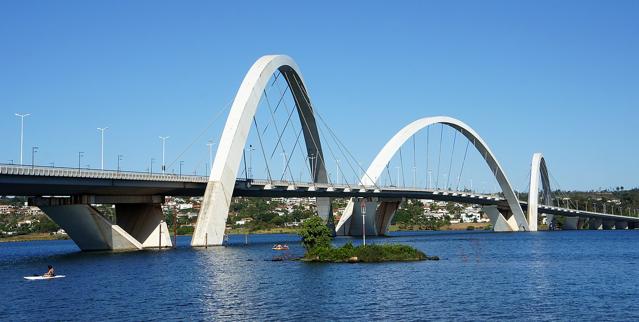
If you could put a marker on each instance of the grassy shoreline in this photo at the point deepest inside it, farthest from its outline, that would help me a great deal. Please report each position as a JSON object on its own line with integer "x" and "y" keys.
{"x": 32, "y": 237}
{"x": 47, "y": 236}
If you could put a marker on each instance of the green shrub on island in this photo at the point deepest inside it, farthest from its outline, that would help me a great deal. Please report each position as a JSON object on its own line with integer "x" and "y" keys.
{"x": 366, "y": 254}
{"x": 316, "y": 238}
{"x": 315, "y": 234}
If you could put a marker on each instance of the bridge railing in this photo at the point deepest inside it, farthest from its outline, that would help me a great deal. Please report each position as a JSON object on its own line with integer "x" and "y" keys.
{"x": 8, "y": 169}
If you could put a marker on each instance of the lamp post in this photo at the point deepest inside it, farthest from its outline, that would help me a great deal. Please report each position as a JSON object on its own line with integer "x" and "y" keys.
{"x": 337, "y": 171}
{"x": 151, "y": 167}
{"x": 250, "y": 168}
{"x": 312, "y": 157}
{"x": 181, "y": 163}
{"x": 163, "y": 138}
{"x": 119, "y": 159}
{"x": 80, "y": 155}
{"x": 102, "y": 129}
{"x": 33, "y": 152}
{"x": 363, "y": 209}
{"x": 21, "y": 116}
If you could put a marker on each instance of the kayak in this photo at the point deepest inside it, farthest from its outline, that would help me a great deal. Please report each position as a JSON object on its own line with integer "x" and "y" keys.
{"x": 37, "y": 278}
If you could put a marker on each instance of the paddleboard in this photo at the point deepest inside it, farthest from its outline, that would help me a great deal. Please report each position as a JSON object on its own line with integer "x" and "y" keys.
{"x": 36, "y": 278}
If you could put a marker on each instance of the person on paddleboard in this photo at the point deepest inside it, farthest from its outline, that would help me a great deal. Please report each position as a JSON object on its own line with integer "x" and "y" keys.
{"x": 50, "y": 272}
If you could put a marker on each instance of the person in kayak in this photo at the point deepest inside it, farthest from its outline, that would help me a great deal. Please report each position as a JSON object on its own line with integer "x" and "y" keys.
{"x": 50, "y": 272}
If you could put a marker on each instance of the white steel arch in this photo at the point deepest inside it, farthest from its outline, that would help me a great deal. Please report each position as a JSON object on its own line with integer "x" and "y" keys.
{"x": 538, "y": 167}
{"x": 378, "y": 165}
{"x": 211, "y": 221}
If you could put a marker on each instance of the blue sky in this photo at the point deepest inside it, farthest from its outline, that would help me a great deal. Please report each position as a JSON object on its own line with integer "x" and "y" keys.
{"x": 560, "y": 78}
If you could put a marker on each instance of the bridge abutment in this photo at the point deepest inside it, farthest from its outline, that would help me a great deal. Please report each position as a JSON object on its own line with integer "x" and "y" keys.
{"x": 138, "y": 223}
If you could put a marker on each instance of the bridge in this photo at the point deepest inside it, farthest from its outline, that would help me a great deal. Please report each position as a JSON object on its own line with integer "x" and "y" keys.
{"x": 66, "y": 195}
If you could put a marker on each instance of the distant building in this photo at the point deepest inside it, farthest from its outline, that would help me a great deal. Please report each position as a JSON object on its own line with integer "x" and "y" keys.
{"x": 6, "y": 209}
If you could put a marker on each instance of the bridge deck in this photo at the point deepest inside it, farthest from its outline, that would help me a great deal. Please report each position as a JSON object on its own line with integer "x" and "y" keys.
{"x": 45, "y": 181}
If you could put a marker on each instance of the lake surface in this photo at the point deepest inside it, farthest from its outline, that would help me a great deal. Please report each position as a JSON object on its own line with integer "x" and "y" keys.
{"x": 568, "y": 276}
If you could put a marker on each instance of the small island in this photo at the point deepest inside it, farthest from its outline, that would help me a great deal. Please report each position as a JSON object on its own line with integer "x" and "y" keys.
{"x": 316, "y": 238}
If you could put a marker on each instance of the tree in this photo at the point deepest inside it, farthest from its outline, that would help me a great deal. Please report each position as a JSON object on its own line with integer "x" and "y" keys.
{"x": 315, "y": 234}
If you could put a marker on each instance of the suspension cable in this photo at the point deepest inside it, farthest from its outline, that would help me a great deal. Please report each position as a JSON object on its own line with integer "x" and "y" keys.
{"x": 439, "y": 156}
{"x": 450, "y": 165}
{"x": 315, "y": 112}
{"x": 259, "y": 137}
{"x": 217, "y": 116}
{"x": 318, "y": 151}
{"x": 427, "y": 152}
{"x": 401, "y": 161}
{"x": 414, "y": 164}
{"x": 279, "y": 134}
{"x": 302, "y": 154}
{"x": 288, "y": 161}
{"x": 344, "y": 150}
{"x": 461, "y": 170}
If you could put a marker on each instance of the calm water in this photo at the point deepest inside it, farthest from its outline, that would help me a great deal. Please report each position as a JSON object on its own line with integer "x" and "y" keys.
{"x": 585, "y": 275}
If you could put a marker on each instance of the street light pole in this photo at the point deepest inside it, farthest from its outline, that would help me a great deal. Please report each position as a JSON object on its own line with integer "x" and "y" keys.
{"x": 163, "y": 138}
{"x": 80, "y": 154}
{"x": 33, "y": 152}
{"x": 21, "y": 116}
{"x": 102, "y": 129}
{"x": 250, "y": 168}
{"x": 337, "y": 172}
{"x": 119, "y": 159}
{"x": 312, "y": 161}
{"x": 151, "y": 167}
{"x": 363, "y": 209}
{"x": 181, "y": 163}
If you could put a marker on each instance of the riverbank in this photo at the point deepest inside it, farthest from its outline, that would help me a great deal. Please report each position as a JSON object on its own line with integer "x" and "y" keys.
{"x": 287, "y": 230}
{"x": 32, "y": 237}
{"x": 459, "y": 226}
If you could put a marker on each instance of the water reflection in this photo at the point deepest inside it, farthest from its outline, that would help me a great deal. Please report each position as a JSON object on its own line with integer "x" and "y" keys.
{"x": 482, "y": 276}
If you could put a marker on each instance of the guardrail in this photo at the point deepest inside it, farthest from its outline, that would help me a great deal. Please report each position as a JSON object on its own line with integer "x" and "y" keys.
{"x": 96, "y": 174}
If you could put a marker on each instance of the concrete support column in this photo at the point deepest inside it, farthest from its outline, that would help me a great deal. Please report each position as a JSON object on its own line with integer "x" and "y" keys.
{"x": 500, "y": 224}
{"x": 138, "y": 221}
{"x": 356, "y": 219}
{"x": 89, "y": 229}
{"x": 144, "y": 222}
{"x": 345, "y": 227}
{"x": 621, "y": 225}
{"x": 385, "y": 213}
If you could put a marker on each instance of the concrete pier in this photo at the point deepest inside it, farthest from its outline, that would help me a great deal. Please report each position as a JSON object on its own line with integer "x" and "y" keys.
{"x": 138, "y": 222}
